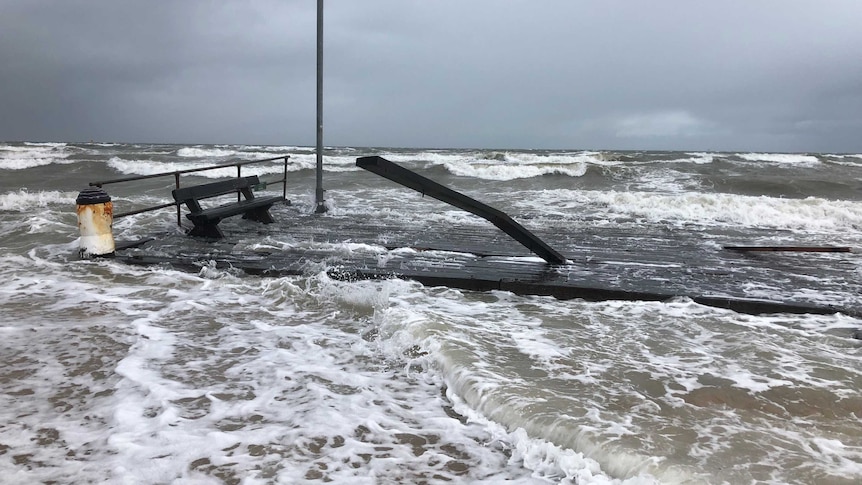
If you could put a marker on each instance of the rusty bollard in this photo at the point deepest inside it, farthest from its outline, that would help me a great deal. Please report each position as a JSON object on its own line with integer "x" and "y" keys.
{"x": 95, "y": 222}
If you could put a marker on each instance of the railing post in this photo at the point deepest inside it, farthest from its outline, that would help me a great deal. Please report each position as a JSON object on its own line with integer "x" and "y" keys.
{"x": 238, "y": 176}
{"x": 284, "y": 180}
{"x": 179, "y": 211}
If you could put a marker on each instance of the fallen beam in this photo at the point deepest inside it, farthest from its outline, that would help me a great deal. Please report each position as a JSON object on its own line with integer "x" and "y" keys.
{"x": 412, "y": 180}
{"x": 795, "y": 249}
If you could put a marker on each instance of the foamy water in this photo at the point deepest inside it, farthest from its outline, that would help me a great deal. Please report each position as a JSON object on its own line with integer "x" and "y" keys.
{"x": 780, "y": 158}
{"x": 19, "y": 157}
{"x": 121, "y": 374}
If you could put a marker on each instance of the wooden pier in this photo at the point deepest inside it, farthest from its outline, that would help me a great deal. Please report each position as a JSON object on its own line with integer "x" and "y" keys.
{"x": 592, "y": 262}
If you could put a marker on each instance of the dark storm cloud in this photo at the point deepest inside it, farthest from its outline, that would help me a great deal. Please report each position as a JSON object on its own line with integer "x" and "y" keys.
{"x": 161, "y": 71}
{"x": 732, "y": 75}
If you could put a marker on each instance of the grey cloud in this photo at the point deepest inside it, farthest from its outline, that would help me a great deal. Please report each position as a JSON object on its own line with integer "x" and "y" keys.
{"x": 671, "y": 74}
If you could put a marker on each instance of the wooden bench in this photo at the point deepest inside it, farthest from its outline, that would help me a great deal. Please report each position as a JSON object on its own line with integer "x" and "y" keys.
{"x": 206, "y": 220}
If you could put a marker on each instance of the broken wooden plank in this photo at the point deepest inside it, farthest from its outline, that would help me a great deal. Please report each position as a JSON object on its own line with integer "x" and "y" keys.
{"x": 794, "y": 249}
{"x": 410, "y": 179}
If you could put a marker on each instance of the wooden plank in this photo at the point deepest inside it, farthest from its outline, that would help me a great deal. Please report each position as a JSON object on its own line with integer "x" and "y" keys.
{"x": 213, "y": 189}
{"x": 795, "y": 249}
{"x": 242, "y": 207}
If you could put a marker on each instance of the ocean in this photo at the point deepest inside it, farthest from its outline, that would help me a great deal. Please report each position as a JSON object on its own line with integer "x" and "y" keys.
{"x": 127, "y": 374}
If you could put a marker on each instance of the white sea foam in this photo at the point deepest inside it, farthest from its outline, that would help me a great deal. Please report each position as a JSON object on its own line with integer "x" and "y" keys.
{"x": 268, "y": 378}
{"x": 331, "y": 163}
{"x": 504, "y": 166}
{"x": 643, "y": 353}
{"x": 712, "y": 209}
{"x": 31, "y": 155}
{"x": 702, "y": 157}
{"x": 567, "y": 206}
{"x": 245, "y": 155}
{"x": 25, "y": 163}
{"x": 781, "y": 158}
{"x": 25, "y": 201}
{"x": 496, "y": 171}
{"x": 200, "y": 152}
{"x": 851, "y": 160}
{"x": 46, "y": 144}
{"x": 664, "y": 180}
{"x": 407, "y": 324}
{"x": 516, "y": 165}
{"x": 264, "y": 380}
{"x": 277, "y": 149}
{"x": 234, "y": 151}
{"x": 500, "y": 166}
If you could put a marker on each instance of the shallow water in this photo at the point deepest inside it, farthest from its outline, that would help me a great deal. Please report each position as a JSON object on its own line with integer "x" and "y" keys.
{"x": 123, "y": 374}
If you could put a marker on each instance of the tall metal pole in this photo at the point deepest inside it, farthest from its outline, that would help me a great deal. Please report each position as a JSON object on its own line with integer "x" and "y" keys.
{"x": 318, "y": 194}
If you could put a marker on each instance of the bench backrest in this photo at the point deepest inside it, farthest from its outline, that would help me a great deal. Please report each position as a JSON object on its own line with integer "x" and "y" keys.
{"x": 197, "y": 192}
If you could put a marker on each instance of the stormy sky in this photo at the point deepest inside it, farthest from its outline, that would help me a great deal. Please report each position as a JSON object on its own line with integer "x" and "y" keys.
{"x": 760, "y": 75}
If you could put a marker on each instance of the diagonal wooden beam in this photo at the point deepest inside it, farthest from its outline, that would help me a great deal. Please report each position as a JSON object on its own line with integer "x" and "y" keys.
{"x": 412, "y": 180}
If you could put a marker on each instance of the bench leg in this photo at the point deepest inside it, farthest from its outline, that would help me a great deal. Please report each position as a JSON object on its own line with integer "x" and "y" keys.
{"x": 207, "y": 230}
{"x": 260, "y": 215}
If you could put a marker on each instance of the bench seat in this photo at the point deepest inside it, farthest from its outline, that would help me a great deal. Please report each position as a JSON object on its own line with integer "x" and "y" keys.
{"x": 206, "y": 220}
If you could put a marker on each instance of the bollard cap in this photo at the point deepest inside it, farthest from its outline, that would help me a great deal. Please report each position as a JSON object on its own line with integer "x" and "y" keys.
{"x": 92, "y": 195}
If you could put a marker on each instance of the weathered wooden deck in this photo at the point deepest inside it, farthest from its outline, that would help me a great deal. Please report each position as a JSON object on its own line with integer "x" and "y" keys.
{"x": 605, "y": 263}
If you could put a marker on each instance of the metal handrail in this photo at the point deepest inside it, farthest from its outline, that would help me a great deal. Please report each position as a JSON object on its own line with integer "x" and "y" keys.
{"x": 176, "y": 174}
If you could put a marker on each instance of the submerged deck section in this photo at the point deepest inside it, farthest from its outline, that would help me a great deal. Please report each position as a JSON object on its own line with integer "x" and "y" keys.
{"x": 592, "y": 261}
{"x": 604, "y": 263}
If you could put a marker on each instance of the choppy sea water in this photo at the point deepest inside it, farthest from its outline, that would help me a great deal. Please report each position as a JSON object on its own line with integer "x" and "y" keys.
{"x": 123, "y": 374}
